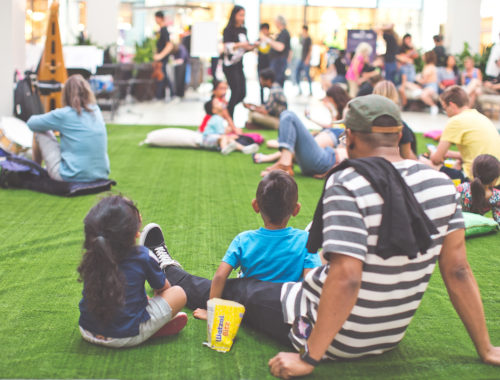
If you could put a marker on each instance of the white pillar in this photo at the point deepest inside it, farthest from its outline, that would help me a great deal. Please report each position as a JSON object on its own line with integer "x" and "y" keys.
{"x": 433, "y": 15}
{"x": 13, "y": 46}
{"x": 463, "y": 25}
{"x": 102, "y": 21}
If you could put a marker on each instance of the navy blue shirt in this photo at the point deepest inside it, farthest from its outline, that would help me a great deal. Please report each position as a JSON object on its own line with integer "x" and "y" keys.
{"x": 137, "y": 268}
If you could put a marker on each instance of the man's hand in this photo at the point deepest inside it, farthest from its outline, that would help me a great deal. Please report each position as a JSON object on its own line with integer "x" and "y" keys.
{"x": 288, "y": 364}
{"x": 157, "y": 57}
{"x": 200, "y": 314}
{"x": 492, "y": 356}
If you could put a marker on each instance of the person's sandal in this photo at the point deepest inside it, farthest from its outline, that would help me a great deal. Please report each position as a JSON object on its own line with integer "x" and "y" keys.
{"x": 277, "y": 166}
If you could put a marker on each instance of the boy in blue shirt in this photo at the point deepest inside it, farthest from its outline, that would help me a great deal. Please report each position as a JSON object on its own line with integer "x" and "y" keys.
{"x": 274, "y": 253}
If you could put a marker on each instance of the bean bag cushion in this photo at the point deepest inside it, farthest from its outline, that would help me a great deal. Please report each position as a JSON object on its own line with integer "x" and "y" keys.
{"x": 476, "y": 224}
{"x": 173, "y": 137}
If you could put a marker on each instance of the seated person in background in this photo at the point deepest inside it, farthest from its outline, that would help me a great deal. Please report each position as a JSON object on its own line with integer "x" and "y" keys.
{"x": 493, "y": 86}
{"x": 472, "y": 132}
{"x": 267, "y": 116}
{"x": 217, "y": 136}
{"x": 448, "y": 75}
{"x": 480, "y": 195}
{"x": 82, "y": 154}
{"x": 471, "y": 80}
{"x": 275, "y": 253}
{"x": 219, "y": 92}
{"x": 427, "y": 82}
{"x": 408, "y": 143}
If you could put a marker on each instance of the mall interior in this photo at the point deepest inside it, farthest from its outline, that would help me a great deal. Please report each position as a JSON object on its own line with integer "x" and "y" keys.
{"x": 88, "y": 27}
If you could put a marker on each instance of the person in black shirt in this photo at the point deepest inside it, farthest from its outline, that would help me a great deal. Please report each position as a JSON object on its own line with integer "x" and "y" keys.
{"x": 392, "y": 49}
{"x": 439, "y": 50}
{"x": 235, "y": 45}
{"x": 264, "y": 50}
{"x": 163, "y": 48}
{"x": 280, "y": 50}
{"x": 305, "y": 58}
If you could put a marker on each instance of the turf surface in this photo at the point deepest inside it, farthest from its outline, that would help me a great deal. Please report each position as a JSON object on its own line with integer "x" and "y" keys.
{"x": 202, "y": 200}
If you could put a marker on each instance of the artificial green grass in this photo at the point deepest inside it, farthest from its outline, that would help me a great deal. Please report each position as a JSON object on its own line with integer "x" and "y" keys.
{"x": 202, "y": 200}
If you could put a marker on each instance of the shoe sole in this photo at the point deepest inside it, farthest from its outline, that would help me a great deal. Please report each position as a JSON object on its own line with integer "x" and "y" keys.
{"x": 175, "y": 325}
{"x": 145, "y": 231}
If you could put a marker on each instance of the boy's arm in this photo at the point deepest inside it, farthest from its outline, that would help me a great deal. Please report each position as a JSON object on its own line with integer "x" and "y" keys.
{"x": 219, "y": 280}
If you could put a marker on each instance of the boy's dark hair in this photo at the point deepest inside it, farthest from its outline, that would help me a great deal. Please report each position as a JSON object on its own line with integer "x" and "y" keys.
{"x": 159, "y": 14}
{"x": 277, "y": 195}
{"x": 305, "y": 27}
{"x": 209, "y": 106}
{"x": 437, "y": 38}
{"x": 264, "y": 25}
{"x": 267, "y": 74}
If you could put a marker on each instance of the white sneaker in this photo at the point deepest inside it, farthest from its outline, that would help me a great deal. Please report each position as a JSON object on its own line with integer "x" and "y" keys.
{"x": 229, "y": 148}
{"x": 434, "y": 110}
{"x": 152, "y": 238}
{"x": 250, "y": 149}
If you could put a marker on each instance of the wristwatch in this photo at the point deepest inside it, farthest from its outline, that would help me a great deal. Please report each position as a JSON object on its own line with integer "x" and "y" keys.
{"x": 304, "y": 355}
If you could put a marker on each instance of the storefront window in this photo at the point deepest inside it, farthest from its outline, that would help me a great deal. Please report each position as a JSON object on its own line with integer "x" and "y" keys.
{"x": 36, "y": 20}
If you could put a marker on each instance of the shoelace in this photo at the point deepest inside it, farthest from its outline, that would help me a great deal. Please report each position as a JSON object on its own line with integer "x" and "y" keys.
{"x": 162, "y": 254}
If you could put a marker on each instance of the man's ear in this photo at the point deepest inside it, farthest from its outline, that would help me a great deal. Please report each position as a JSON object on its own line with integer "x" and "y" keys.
{"x": 296, "y": 209}
{"x": 255, "y": 206}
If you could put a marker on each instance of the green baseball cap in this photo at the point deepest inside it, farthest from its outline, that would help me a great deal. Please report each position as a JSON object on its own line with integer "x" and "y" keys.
{"x": 363, "y": 110}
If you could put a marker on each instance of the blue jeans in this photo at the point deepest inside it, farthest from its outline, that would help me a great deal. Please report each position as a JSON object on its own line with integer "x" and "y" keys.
{"x": 303, "y": 67}
{"x": 278, "y": 65}
{"x": 295, "y": 137}
{"x": 391, "y": 69}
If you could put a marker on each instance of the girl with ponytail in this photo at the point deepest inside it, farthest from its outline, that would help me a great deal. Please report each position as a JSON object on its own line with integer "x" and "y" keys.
{"x": 115, "y": 310}
{"x": 480, "y": 195}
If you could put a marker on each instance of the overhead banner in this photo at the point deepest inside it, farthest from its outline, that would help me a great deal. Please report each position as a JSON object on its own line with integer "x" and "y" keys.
{"x": 356, "y": 36}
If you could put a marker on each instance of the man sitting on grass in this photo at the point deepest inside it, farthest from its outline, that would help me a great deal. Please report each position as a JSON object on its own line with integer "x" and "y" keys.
{"x": 268, "y": 115}
{"x": 381, "y": 247}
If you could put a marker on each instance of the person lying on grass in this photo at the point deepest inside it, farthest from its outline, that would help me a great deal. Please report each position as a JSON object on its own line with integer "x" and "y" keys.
{"x": 381, "y": 248}
{"x": 115, "y": 310}
{"x": 275, "y": 253}
{"x": 217, "y": 136}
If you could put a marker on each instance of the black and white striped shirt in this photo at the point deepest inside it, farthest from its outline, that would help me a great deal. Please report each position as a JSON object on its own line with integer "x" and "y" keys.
{"x": 391, "y": 289}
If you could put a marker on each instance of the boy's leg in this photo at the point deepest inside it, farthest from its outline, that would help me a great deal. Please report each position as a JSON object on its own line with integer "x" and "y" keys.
{"x": 260, "y": 298}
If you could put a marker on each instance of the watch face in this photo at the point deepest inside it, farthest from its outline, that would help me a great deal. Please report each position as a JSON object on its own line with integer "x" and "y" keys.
{"x": 302, "y": 327}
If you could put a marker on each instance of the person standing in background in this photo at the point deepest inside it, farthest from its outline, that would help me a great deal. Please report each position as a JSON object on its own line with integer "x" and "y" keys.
{"x": 305, "y": 59}
{"x": 392, "y": 49}
{"x": 263, "y": 49}
{"x": 439, "y": 50}
{"x": 235, "y": 46}
{"x": 280, "y": 50}
{"x": 163, "y": 48}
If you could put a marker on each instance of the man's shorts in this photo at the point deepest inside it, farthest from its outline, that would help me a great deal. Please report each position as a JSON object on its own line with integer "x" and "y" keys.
{"x": 160, "y": 313}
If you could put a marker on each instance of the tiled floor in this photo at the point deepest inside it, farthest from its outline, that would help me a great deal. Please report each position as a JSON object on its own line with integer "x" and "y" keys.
{"x": 189, "y": 111}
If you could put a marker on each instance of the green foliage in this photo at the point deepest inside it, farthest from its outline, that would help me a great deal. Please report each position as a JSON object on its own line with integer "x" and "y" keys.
{"x": 480, "y": 60}
{"x": 144, "y": 51}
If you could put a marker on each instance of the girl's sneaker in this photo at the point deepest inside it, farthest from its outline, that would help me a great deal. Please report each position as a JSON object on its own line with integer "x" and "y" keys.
{"x": 173, "y": 326}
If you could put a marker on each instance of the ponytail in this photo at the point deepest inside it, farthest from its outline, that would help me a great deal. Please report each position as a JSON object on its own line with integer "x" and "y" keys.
{"x": 477, "y": 195}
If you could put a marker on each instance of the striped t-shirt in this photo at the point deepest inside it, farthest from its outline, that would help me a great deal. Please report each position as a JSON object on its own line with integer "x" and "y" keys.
{"x": 391, "y": 290}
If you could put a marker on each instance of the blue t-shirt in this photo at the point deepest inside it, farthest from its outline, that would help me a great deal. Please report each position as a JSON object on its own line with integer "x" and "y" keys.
{"x": 271, "y": 255}
{"x": 137, "y": 268}
{"x": 215, "y": 126}
{"x": 84, "y": 142}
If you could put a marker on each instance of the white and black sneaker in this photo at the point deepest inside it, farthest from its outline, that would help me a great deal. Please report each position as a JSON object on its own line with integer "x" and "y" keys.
{"x": 152, "y": 238}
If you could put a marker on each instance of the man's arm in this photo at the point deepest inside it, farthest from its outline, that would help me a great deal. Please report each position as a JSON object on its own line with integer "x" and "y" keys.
{"x": 164, "y": 52}
{"x": 338, "y": 297}
{"x": 442, "y": 149}
{"x": 464, "y": 294}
